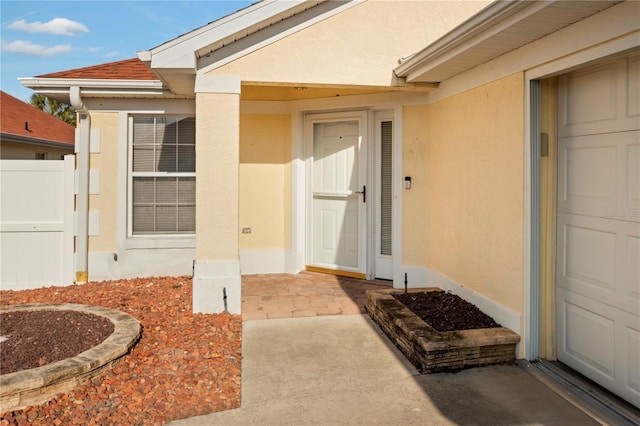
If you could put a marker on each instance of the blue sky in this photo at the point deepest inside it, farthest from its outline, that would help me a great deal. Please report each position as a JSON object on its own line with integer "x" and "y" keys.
{"x": 40, "y": 37}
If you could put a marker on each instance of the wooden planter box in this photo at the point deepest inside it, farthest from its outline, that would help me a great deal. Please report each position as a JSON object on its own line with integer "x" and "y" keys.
{"x": 431, "y": 351}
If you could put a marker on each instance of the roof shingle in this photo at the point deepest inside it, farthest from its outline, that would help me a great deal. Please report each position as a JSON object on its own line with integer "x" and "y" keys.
{"x": 22, "y": 119}
{"x": 128, "y": 69}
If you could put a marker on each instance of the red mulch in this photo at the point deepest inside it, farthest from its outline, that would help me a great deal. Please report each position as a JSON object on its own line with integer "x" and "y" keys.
{"x": 184, "y": 365}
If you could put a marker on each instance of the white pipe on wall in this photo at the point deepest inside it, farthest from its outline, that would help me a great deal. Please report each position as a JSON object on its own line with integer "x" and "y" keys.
{"x": 82, "y": 206}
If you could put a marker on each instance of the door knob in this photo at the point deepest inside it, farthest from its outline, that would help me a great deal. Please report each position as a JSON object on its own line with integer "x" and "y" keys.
{"x": 364, "y": 193}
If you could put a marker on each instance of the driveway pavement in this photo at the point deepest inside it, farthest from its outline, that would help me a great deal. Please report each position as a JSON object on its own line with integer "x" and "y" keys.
{"x": 341, "y": 370}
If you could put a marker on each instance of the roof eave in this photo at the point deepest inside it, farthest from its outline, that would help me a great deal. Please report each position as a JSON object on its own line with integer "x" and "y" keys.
{"x": 171, "y": 54}
{"x": 176, "y": 62}
{"x": 490, "y": 20}
{"x": 10, "y": 137}
{"x": 498, "y": 29}
{"x": 58, "y": 88}
{"x": 33, "y": 82}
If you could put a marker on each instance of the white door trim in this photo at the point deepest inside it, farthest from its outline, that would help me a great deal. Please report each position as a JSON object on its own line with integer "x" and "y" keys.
{"x": 362, "y": 117}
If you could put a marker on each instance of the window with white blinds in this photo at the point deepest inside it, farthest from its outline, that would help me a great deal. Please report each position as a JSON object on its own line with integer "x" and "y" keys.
{"x": 386, "y": 191}
{"x": 163, "y": 179}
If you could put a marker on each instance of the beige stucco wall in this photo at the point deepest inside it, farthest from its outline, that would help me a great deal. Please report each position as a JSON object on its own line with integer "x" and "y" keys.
{"x": 106, "y": 161}
{"x": 217, "y": 152}
{"x": 415, "y": 158}
{"x": 19, "y": 151}
{"x": 463, "y": 218}
{"x": 265, "y": 181}
{"x": 360, "y": 46}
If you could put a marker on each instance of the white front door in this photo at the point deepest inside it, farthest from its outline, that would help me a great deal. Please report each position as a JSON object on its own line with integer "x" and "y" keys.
{"x": 338, "y": 194}
{"x": 598, "y": 225}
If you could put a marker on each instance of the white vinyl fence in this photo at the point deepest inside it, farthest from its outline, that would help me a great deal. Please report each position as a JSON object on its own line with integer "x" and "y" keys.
{"x": 36, "y": 223}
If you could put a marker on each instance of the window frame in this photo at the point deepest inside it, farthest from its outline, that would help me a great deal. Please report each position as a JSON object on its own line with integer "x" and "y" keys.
{"x": 131, "y": 174}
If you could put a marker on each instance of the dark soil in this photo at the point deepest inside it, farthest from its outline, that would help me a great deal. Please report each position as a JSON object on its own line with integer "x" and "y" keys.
{"x": 37, "y": 338}
{"x": 445, "y": 311}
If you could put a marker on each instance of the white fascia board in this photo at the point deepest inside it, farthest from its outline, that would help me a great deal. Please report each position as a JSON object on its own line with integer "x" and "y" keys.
{"x": 9, "y": 137}
{"x": 86, "y": 83}
{"x": 144, "y": 55}
{"x": 172, "y": 54}
{"x": 88, "y": 87}
{"x": 489, "y": 21}
{"x": 185, "y": 62}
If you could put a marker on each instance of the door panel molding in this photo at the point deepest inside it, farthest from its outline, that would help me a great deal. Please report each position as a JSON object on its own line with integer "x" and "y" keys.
{"x": 597, "y": 227}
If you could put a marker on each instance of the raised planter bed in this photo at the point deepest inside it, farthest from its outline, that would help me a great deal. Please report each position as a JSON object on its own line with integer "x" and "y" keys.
{"x": 431, "y": 351}
{"x": 38, "y": 385}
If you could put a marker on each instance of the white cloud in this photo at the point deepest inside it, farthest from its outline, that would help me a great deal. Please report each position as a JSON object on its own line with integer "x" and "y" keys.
{"x": 28, "y": 48}
{"x": 111, "y": 54}
{"x": 58, "y": 26}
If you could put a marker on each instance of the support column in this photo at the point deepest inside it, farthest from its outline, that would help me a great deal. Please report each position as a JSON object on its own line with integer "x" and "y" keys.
{"x": 216, "y": 279}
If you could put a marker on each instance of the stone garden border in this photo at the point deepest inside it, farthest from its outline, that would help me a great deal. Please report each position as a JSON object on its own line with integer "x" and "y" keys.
{"x": 40, "y": 384}
{"x": 431, "y": 351}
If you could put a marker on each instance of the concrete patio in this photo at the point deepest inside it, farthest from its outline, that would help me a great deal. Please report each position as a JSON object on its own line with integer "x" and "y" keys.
{"x": 307, "y": 294}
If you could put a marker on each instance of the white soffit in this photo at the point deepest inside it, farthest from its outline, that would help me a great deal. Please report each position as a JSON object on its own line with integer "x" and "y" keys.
{"x": 501, "y": 27}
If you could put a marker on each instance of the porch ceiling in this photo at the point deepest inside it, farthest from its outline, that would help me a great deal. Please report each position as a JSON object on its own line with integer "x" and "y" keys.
{"x": 265, "y": 91}
{"x": 501, "y": 27}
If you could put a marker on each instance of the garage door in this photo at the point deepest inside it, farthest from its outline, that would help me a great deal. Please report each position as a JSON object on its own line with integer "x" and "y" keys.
{"x": 598, "y": 227}
{"x": 36, "y": 223}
